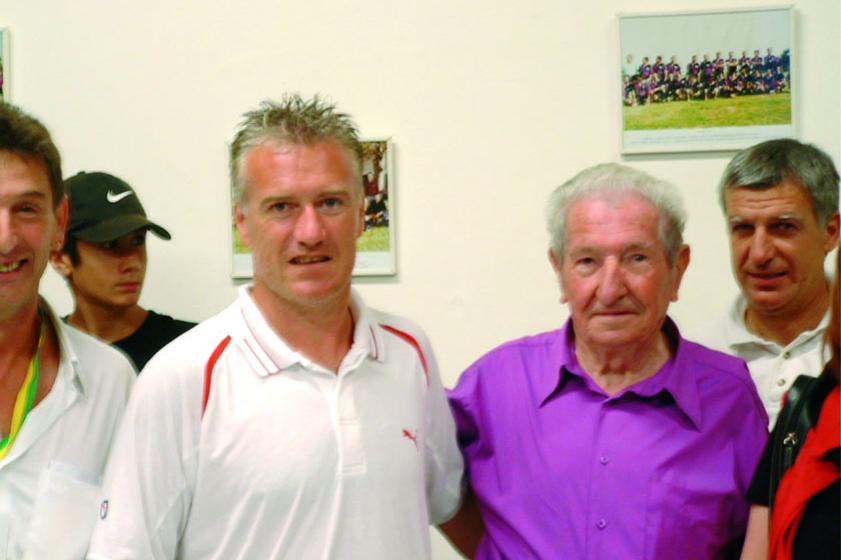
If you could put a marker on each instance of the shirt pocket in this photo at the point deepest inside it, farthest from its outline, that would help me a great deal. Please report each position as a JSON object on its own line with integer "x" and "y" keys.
{"x": 64, "y": 513}
{"x": 688, "y": 523}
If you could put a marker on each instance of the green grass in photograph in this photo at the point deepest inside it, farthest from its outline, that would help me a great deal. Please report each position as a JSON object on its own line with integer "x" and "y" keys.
{"x": 375, "y": 239}
{"x": 749, "y": 110}
{"x": 239, "y": 246}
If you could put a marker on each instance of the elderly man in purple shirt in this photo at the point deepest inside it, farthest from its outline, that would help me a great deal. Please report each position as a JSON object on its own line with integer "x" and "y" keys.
{"x": 613, "y": 437}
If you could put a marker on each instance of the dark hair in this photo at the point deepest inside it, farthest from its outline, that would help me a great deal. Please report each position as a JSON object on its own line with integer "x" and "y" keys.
{"x": 24, "y": 135}
{"x": 71, "y": 249}
{"x": 768, "y": 164}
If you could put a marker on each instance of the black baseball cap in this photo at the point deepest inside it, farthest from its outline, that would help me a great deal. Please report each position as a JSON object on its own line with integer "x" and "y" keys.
{"x": 104, "y": 207}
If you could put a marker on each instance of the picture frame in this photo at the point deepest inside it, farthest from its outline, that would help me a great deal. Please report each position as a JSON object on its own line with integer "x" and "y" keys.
{"x": 735, "y": 84}
{"x": 375, "y": 248}
{"x": 5, "y": 63}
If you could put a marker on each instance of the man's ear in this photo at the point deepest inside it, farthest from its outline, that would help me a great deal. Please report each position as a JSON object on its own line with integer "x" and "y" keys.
{"x": 62, "y": 217}
{"x": 62, "y": 263}
{"x": 239, "y": 221}
{"x": 557, "y": 264}
{"x": 832, "y": 233}
{"x": 681, "y": 264}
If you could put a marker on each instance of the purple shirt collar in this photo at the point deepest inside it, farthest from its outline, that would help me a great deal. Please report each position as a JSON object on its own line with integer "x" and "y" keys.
{"x": 682, "y": 387}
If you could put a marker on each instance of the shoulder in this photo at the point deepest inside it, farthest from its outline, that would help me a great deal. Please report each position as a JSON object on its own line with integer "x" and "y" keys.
{"x": 720, "y": 332}
{"x": 98, "y": 364}
{"x": 522, "y": 350}
{"x": 522, "y": 360}
{"x": 396, "y": 327}
{"x": 185, "y": 359}
{"x": 720, "y": 376}
{"x": 160, "y": 321}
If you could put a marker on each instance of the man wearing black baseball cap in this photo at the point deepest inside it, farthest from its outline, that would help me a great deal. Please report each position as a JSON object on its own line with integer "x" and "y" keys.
{"x": 104, "y": 262}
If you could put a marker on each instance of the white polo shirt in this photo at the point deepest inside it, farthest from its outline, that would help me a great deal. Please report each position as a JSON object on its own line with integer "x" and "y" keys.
{"x": 50, "y": 479}
{"x": 284, "y": 459}
{"x": 772, "y": 367}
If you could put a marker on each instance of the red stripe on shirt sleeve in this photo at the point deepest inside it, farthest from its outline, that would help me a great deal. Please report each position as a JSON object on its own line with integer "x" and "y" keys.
{"x": 208, "y": 371}
{"x": 412, "y": 342}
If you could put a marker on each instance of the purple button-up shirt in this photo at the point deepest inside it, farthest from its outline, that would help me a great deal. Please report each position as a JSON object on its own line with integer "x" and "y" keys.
{"x": 562, "y": 470}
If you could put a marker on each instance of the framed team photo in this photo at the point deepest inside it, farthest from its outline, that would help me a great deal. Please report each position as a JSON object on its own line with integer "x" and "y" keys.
{"x": 375, "y": 248}
{"x": 4, "y": 64}
{"x": 704, "y": 81}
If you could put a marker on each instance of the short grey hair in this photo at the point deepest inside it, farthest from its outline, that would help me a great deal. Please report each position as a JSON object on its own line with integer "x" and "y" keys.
{"x": 294, "y": 121}
{"x": 766, "y": 165}
{"x": 612, "y": 181}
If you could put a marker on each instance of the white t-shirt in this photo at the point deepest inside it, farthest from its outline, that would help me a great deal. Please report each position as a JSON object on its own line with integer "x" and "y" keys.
{"x": 50, "y": 479}
{"x": 772, "y": 367}
{"x": 284, "y": 459}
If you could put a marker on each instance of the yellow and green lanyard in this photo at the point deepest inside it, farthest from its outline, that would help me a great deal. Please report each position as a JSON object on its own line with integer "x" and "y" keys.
{"x": 26, "y": 396}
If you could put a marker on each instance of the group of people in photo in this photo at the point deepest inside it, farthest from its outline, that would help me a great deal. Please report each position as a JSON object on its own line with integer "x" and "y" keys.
{"x": 715, "y": 77}
{"x": 299, "y": 423}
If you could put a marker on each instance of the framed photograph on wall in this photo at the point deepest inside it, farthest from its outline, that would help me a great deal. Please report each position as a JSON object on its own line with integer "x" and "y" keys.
{"x": 702, "y": 81}
{"x": 375, "y": 248}
{"x": 5, "y": 61}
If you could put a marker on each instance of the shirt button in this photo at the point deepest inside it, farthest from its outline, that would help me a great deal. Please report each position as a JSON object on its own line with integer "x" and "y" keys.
{"x": 604, "y": 460}
{"x": 781, "y": 381}
{"x": 786, "y": 354}
{"x": 601, "y": 524}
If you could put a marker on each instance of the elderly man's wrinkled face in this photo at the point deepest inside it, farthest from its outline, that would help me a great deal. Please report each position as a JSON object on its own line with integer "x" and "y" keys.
{"x": 615, "y": 274}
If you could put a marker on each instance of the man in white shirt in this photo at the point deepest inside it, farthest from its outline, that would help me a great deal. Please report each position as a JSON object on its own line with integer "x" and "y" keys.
{"x": 298, "y": 423}
{"x": 62, "y": 392}
{"x": 780, "y": 200}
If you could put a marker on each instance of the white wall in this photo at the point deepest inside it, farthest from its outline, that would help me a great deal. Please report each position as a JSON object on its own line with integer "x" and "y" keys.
{"x": 490, "y": 105}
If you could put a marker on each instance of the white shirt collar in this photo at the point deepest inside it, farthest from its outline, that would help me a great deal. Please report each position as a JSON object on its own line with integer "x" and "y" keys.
{"x": 271, "y": 354}
{"x": 68, "y": 366}
{"x": 738, "y": 334}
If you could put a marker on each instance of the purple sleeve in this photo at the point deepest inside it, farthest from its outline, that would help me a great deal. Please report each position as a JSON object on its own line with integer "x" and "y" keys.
{"x": 462, "y": 404}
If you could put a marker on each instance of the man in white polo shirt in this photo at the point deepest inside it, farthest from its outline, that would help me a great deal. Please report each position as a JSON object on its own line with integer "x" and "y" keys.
{"x": 62, "y": 392}
{"x": 298, "y": 423}
{"x": 780, "y": 200}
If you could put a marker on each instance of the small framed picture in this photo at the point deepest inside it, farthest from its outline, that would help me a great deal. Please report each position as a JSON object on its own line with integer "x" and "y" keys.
{"x": 703, "y": 81}
{"x": 375, "y": 248}
{"x": 5, "y": 62}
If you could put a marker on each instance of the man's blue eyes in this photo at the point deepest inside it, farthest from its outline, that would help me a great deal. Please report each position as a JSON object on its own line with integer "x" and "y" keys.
{"x": 326, "y": 204}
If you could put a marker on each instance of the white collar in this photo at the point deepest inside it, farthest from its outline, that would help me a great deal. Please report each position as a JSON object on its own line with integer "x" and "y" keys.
{"x": 270, "y": 354}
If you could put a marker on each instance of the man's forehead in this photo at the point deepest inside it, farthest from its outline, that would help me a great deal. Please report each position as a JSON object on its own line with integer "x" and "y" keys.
{"x": 22, "y": 175}
{"x": 272, "y": 156}
{"x": 607, "y": 244}
{"x": 783, "y": 201}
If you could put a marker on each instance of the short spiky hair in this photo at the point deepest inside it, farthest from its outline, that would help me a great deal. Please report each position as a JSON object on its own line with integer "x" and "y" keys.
{"x": 293, "y": 120}
{"x": 24, "y": 135}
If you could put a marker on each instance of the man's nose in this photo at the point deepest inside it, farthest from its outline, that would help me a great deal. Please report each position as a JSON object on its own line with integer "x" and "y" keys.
{"x": 309, "y": 228}
{"x": 612, "y": 287}
{"x": 8, "y": 233}
{"x": 131, "y": 258}
{"x": 761, "y": 247}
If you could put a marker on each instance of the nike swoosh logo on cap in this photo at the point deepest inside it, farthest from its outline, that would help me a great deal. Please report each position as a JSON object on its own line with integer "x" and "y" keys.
{"x": 114, "y": 197}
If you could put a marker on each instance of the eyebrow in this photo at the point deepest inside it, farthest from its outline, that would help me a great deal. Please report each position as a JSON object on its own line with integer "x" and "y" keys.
{"x": 790, "y": 216}
{"x": 623, "y": 249}
{"x": 31, "y": 194}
